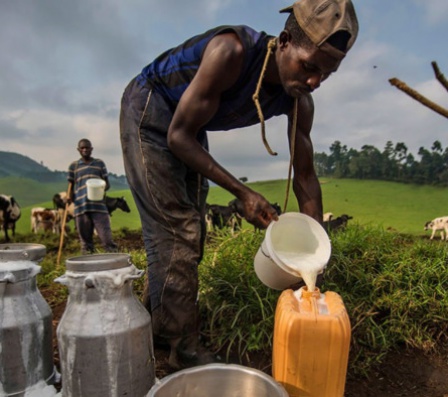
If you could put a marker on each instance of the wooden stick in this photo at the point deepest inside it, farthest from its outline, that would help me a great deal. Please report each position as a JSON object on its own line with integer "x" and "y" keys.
{"x": 439, "y": 75}
{"x": 64, "y": 218}
{"x": 418, "y": 97}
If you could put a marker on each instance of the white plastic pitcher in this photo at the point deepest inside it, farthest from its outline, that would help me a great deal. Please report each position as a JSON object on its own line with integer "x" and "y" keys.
{"x": 95, "y": 189}
{"x": 294, "y": 244}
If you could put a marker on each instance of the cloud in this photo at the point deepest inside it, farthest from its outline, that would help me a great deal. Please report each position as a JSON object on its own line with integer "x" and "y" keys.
{"x": 436, "y": 11}
{"x": 66, "y": 63}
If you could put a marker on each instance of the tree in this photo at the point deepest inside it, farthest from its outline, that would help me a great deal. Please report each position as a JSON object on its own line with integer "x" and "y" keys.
{"x": 338, "y": 159}
{"x": 420, "y": 98}
{"x": 400, "y": 156}
{"x": 367, "y": 163}
{"x": 321, "y": 164}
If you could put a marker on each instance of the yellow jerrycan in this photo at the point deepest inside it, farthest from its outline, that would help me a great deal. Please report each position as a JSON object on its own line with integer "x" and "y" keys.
{"x": 311, "y": 343}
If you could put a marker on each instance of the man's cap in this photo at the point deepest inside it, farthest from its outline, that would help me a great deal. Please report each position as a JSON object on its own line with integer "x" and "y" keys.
{"x": 320, "y": 19}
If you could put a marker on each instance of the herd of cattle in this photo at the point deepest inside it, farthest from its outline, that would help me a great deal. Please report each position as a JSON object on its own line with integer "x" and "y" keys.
{"x": 230, "y": 216}
{"x": 217, "y": 216}
{"x": 47, "y": 219}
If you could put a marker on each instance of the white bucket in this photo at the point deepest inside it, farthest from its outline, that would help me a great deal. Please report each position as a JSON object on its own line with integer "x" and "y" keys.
{"x": 95, "y": 189}
{"x": 296, "y": 241}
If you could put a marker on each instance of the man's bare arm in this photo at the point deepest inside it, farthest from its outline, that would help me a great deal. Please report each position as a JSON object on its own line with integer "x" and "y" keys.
{"x": 219, "y": 70}
{"x": 306, "y": 184}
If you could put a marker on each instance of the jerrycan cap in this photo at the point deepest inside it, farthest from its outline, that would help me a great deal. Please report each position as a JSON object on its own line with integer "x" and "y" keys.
{"x": 98, "y": 262}
{"x": 306, "y": 294}
{"x": 21, "y": 252}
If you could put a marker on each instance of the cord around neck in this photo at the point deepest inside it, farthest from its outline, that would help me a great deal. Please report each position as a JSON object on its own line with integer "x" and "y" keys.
{"x": 271, "y": 45}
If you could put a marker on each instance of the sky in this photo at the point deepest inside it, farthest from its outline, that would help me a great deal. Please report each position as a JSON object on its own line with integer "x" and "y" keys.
{"x": 64, "y": 65}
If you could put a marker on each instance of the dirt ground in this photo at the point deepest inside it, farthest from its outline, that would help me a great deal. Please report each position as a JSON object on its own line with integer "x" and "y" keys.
{"x": 407, "y": 373}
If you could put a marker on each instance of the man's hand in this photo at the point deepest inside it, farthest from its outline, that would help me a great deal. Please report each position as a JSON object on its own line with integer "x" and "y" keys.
{"x": 258, "y": 211}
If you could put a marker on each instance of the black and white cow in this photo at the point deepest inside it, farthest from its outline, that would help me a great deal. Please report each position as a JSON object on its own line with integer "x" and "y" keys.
{"x": 9, "y": 214}
{"x": 328, "y": 216}
{"x": 60, "y": 200}
{"x": 337, "y": 223}
{"x": 220, "y": 216}
{"x": 113, "y": 203}
{"x": 436, "y": 224}
{"x": 237, "y": 206}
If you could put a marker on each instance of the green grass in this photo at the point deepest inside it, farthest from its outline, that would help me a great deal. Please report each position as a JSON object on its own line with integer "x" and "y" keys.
{"x": 395, "y": 289}
{"x": 394, "y": 286}
{"x": 405, "y": 208}
{"x": 401, "y": 207}
{"x": 119, "y": 218}
{"x": 28, "y": 192}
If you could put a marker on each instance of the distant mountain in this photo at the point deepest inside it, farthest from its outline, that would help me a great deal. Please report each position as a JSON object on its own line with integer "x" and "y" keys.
{"x": 17, "y": 165}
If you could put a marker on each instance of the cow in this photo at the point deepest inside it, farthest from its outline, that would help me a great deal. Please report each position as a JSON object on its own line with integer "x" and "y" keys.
{"x": 328, "y": 216}
{"x": 237, "y": 207}
{"x": 59, "y": 204}
{"x": 10, "y": 213}
{"x": 436, "y": 224}
{"x": 220, "y": 216}
{"x": 113, "y": 203}
{"x": 60, "y": 200}
{"x": 337, "y": 224}
{"x": 47, "y": 219}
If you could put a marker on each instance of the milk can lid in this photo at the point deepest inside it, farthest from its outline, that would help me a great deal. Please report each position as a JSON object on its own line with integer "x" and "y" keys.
{"x": 98, "y": 262}
{"x": 20, "y": 252}
{"x": 17, "y": 261}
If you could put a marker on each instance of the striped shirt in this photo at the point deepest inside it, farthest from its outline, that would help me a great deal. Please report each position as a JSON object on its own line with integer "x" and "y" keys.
{"x": 78, "y": 173}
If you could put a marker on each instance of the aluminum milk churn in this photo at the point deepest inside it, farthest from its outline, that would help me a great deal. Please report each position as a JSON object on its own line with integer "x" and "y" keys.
{"x": 26, "y": 350}
{"x": 311, "y": 343}
{"x": 105, "y": 334}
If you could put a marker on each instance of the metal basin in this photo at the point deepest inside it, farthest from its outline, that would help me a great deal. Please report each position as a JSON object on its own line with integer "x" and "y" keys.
{"x": 218, "y": 380}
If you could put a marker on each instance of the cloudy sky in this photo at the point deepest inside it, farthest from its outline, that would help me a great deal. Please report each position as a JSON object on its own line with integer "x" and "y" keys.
{"x": 64, "y": 65}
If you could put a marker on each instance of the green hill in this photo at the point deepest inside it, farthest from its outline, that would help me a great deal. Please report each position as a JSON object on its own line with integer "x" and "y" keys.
{"x": 29, "y": 192}
{"x": 14, "y": 164}
{"x": 17, "y": 165}
{"x": 30, "y": 182}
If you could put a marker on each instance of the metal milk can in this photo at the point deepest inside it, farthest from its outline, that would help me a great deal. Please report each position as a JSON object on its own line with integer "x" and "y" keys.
{"x": 105, "y": 334}
{"x": 26, "y": 350}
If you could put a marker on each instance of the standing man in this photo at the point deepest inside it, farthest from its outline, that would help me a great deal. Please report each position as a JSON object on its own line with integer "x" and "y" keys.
{"x": 228, "y": 77}
{"x": 89, "y": 215}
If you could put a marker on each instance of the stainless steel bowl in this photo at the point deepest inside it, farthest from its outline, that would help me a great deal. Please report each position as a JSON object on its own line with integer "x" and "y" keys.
{"x": 218, "y": 380}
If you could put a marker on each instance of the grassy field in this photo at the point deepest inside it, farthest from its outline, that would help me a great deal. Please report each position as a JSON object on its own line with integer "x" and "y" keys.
{"x": 404, "y": 208}
{"x": 394, "y": 286}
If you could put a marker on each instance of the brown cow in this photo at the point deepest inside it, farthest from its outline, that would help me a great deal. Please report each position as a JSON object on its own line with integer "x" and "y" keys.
{"x": 49, "y": 220}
